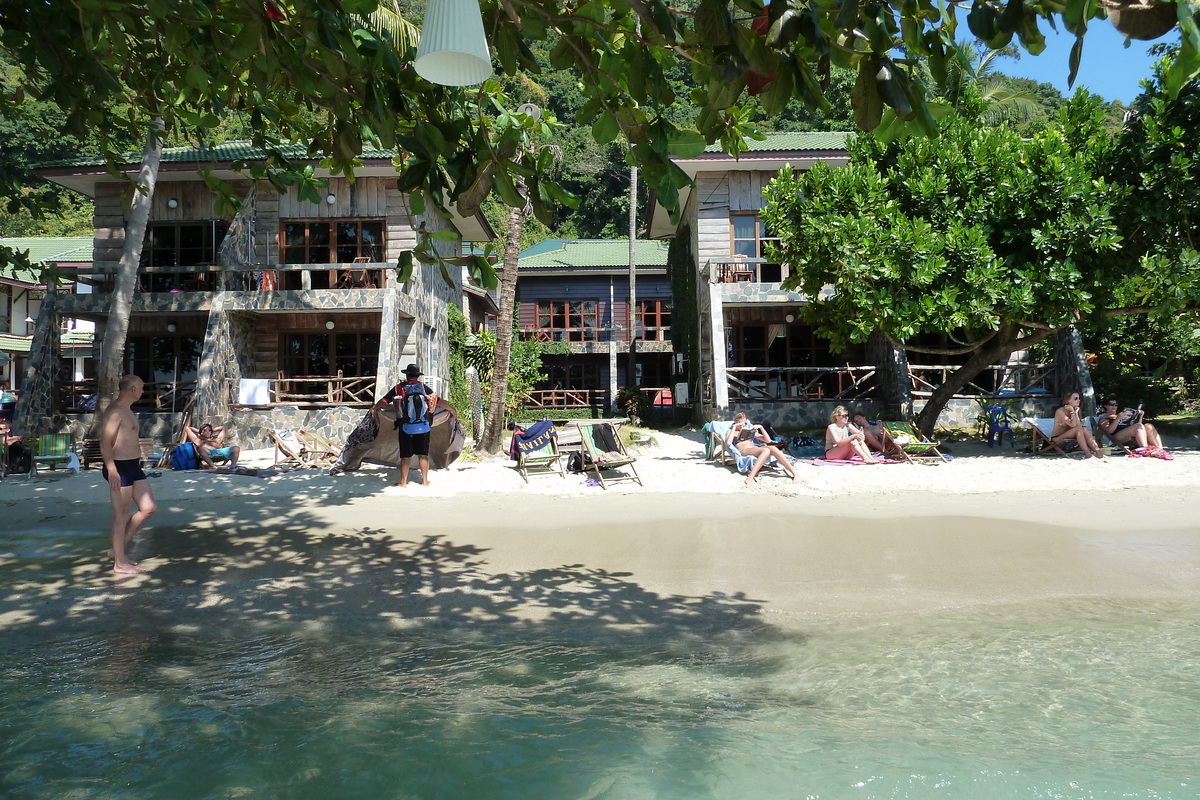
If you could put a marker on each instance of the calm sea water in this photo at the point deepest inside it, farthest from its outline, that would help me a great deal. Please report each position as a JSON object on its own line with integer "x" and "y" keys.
{"x": 368, "y": 669}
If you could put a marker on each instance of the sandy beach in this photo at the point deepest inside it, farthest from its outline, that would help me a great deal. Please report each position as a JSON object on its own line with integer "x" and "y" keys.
{"x": 992, "y": 526}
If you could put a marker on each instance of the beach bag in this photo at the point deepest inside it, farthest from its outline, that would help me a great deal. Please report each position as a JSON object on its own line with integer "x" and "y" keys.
{"x": 575, "y": 461}
{"x": 183, "y": 456}
{"x": 414, "y": 409}
{"x": 20, "y": 458}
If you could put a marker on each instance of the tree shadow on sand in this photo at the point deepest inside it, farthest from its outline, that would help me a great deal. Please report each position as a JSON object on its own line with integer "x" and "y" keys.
{"x": 404, "y": 650}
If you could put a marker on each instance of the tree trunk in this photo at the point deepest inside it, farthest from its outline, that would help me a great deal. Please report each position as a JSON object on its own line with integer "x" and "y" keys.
{"x": 1006, "y": 342}
{"x": 493, "y": 439}
{"x": 631, "y": 369}
{"x": 116, "y": 328}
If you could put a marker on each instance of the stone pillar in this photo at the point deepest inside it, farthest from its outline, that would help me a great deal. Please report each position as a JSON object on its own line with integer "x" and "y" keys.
{"x": 1071, "y": 371}
{"x": 393, "y": 332}
{"x": 218, "y": 365}
{"x": 34, "y": 412}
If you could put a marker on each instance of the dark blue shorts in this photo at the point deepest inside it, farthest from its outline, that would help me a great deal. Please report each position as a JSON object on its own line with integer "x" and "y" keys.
{"x": 129, "y": 469}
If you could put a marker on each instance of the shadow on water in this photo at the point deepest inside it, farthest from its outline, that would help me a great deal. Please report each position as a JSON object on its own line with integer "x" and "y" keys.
{"x": 396, "y": 665}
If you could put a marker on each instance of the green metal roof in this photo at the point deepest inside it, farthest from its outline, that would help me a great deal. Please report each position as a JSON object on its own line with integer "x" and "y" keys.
{"x": 45, "y": 250}
{"x": 228, "y": 151}
{"x": 15, "y": 344}
{"x": 812, "y": 140}
{"x": 565, "y": 254}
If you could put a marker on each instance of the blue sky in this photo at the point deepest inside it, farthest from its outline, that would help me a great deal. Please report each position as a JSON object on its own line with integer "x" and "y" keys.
{"x": 1107, "y": 68}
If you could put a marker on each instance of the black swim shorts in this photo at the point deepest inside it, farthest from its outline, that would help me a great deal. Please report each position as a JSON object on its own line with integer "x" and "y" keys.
{"x": 130, "y": 470}
{"x": 414, "y": 444}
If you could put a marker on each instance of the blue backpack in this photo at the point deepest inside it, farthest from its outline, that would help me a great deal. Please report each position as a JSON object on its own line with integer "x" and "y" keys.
{"x": 414, "y": 410}
{"x": 183, "y": 456}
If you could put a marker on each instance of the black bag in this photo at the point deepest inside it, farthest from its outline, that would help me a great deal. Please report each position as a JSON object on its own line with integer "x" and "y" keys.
{"x": 20, "y": 458}
{"x": 575, "y": 461}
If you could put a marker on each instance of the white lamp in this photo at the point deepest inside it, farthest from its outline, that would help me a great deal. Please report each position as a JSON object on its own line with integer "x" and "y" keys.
{"x": 170, "y": 327}
{"x": 172, "y": 203}
{"x": 328, "y": 324}
{"x": 453, "y": 50}
{"x": 790, "y": 318}
{"x": 331, "y": 198}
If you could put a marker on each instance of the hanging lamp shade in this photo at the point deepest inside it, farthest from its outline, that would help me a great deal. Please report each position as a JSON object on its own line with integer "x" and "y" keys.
{"x": 453, "y": 50}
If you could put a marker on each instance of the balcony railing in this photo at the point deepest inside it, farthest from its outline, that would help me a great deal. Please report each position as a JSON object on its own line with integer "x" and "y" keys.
{"x": 745, "y": 270}
{"x": 567, "y": 398}
{"x": 848, "y": 382}
{"x": 798, "y": 383}
{"x": 211, "y": 277}
{"x": 313, "y": 391}
{"x": 80, "y": 396}
{"x": 1020, "y": 379}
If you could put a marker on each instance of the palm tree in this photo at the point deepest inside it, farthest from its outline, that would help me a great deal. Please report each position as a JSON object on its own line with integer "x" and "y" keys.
{"x": 975, "y": 89}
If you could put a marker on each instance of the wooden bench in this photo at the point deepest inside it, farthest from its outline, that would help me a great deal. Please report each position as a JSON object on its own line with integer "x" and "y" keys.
{"x": 151, "y": 452}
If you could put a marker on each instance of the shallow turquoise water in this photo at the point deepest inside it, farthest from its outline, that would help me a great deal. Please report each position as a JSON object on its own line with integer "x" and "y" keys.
{"x": 415, "y": 677}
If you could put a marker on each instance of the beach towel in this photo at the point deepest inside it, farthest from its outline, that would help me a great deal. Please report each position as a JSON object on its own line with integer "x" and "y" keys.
{"x": 856, "y": 461}
{"x": 526, "y": 440}
{"x": 373, "y": 443}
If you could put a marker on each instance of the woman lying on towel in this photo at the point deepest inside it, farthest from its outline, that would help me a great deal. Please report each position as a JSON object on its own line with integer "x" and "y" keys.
{"x": 844, "y": 440}
{"x": 753, "y": 440}
{"x": 1068, "y": 424}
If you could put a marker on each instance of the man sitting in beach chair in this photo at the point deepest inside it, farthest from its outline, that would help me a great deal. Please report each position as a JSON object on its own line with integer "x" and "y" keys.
{"x": 210, "y": 445}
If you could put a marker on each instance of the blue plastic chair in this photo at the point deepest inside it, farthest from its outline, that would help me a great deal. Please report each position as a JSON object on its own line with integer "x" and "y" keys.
{"x": 998, "y": 425}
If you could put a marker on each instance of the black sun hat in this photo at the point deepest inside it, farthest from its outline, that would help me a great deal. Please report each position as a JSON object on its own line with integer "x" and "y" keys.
{"x": 412, "y": 371}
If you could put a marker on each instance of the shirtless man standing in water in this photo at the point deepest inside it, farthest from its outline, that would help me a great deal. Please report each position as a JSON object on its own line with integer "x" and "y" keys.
{"x": 126, "y": 481}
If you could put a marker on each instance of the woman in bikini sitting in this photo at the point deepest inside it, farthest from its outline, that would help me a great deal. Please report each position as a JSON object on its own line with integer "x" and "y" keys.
{"x": 753, "y": 440}
{"x": 843, "y": 440}
{"x": 1068, "y": 424}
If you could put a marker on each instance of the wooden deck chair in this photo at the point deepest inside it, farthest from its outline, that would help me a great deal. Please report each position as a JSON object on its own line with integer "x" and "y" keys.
{"x": 603, "y": 451}
{"x": 544, "y": 459}
{"x": 53, "y": 450}
{"x": 1103, "y": 437}
{"x": 912, "y": 446}
{"x": 727, "y": 454}
{"x": 318, "y": 451}
{"x": 1043, "y": 444}
{"x": 289, "y": 450}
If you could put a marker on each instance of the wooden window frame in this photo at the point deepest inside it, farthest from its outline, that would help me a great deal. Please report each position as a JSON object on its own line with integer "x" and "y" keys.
{"x": 657, "y": 317}
{"x": 546, "y": 312}
{"x": 331, "y": 356}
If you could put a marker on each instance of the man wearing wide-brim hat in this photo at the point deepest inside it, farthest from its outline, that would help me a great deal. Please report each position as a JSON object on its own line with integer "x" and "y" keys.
{"x": 414, "y": 402}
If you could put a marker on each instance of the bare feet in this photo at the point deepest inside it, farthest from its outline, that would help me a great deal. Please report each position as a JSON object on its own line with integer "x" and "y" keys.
{"x": 401, "y": 484}
{"x": 795, "y": 477}
{"x": 128, "y": 568}
{"x": 424, "y": 483}
{"x": 750, "y": 481}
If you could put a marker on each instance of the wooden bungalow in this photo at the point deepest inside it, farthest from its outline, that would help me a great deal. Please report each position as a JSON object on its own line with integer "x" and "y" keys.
{"x": 286, "y": 315}
{"x": 576, "y": 291}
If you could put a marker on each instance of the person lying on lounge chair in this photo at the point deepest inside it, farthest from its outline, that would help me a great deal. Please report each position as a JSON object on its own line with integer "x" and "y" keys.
{"x": 1123, "y": 426}
{"x": 876, "y": 438}
{"x": 753, "y": 440}
{"x": 1068, "y": 424}
{"x": 844, "y": 440}
{"x": 210, "y": 443}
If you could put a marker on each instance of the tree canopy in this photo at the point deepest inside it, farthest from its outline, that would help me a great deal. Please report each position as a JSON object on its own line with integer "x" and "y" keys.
{"x": 997, "y": 239}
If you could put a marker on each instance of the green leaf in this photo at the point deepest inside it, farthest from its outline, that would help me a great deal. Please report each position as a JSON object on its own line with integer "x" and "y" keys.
{"x": 404, "y": 266}
{"x": 416, "y": 203}
{"x": 605, "y": 128}
{"x": 686, "y": 143}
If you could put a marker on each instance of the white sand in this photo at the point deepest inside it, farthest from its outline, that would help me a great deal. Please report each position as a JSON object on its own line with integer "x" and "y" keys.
{"x": 992, "y": 526}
